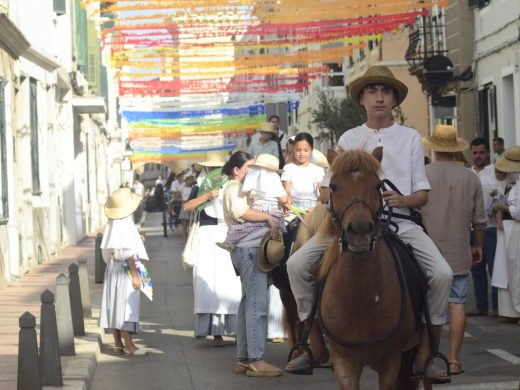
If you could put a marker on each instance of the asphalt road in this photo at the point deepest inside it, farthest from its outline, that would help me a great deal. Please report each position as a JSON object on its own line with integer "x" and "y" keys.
{"x": 490, "y": 354}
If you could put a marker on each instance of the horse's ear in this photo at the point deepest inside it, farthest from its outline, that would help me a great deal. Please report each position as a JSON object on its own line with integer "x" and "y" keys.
{"x": 331, "y": 155}
{"x": 378, "y": 153}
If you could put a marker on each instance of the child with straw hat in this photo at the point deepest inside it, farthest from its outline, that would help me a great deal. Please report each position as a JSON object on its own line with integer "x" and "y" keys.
{"x": 124, "y": 248}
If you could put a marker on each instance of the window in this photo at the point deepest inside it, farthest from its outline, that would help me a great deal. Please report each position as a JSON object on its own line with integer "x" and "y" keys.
{"x": 335, "y": 75}
{"x": 4, "y": 206}
{"x": 60, "y": 7}
{"x": 487, "y": 105}
{"x": 35, "y": 153}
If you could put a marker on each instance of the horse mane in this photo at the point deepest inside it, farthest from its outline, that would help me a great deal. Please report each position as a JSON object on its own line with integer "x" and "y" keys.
{"x": 313, "y": 222}
{"x": 359, "y": 163}
{"x": 356, "y": 160}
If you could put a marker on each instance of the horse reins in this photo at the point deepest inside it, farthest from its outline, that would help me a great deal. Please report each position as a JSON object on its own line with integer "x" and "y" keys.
{"x": 343, "y": 245}
{"x": 336, "y": 220}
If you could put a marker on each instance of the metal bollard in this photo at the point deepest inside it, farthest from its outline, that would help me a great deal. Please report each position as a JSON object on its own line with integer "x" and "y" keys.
{"x": 64, "y": 317}
{"x": 84, "y": 286}
{"x": 50, "y": 362}
{"x": 99, "y": 263}
{"x": 76, "y": 307}
{"x": 28, "y": 370}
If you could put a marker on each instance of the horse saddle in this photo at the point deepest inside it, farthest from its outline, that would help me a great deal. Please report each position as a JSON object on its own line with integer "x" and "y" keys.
{"x": 279, "y": 274}
{"x": 416, "y": 282}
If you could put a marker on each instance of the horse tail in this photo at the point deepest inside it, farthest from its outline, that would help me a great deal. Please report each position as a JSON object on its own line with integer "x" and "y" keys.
{"x": 406, "y": 371}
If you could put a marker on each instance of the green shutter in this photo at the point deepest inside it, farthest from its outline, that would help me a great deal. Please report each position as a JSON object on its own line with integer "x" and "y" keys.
{"x": 35, "y": 152}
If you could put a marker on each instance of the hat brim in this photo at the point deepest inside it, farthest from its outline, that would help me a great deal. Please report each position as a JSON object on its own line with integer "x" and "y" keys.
{"x": 260, "y": 164}
{"x": 211, "y": 164}
{"x": 123, "y": 212}
{"x": 506, "y": 165}
{"x": 432, "y": 144}
{"x": 357, "y": 86}
{"x": 261, "y": 259}
{"x": 266, "y": 131}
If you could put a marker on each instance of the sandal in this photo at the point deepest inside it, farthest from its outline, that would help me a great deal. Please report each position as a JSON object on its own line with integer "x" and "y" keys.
{"x": 218, "y": 342}
{"x": 118, "y": 350}
{"x": 242, "y": 367}
{"x": 268, "y": 371}
{"x": 432, "y": 375}
{"x": 456, "y": 367}
{"x": 137, "y": 352}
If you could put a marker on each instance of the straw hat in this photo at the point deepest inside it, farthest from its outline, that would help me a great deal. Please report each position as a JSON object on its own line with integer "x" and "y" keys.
{"x": 122, "y": 203}
{"x": 320, "y": 159}
{"x": 378, "y": 74}
{"x": 267, "y": 127}
{"x": 267, "y": 161}
{"x": 213, "y": 159}
{"x": 270, "y": 253}
{"x": 444, "y": 139}
{"x": 511, "y": 160}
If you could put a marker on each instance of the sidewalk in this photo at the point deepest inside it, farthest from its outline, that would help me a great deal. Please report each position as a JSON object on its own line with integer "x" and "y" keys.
{"x": 25, "y": 296}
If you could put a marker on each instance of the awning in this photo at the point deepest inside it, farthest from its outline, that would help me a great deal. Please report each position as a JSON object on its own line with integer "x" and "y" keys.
{"x": 89, "y": 104}
{"x": 11, "y": 38}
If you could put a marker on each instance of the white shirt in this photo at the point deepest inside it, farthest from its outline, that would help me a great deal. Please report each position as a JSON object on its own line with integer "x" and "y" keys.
{"x": 490, "y": 183}
{"x": 403, "y": 158}
{"x": 304, "y": 181}
{"x": 513, "y": 200}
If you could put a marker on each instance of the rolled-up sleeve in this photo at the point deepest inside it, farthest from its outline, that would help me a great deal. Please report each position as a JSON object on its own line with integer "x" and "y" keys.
{"x": 419, "y": 180}
{"x": 479, "y": 213}
{"x": 235, "y": 202}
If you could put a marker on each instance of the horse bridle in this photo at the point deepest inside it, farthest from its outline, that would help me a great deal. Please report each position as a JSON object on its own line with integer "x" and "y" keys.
{"x": 342, "y": 240}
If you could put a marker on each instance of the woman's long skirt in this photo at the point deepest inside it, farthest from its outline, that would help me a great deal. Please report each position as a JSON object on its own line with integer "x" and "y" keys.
{"x": 120, "y": 301}
{"x": 216, "y": 288}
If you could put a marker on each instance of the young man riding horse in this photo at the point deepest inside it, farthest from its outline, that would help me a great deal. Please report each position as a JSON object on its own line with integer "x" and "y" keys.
{"x": 378, "y": 91}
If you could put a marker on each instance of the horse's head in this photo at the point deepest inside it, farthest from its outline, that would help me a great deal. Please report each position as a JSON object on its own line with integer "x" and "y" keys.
{"x": 355, "y": 200}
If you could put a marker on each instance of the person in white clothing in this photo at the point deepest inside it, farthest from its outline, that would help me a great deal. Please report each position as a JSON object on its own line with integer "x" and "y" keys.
{"x": 266, "y": 142}
{"x": 506, "y": 275}
{"x": 379, "y": 92}
{"x": 216, "y": 288}
{"x": 124, "y": 248}
{"x": 301, "y": 178}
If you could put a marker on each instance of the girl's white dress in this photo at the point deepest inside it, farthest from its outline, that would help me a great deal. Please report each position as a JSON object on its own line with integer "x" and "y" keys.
{"x": 120, "y": 301}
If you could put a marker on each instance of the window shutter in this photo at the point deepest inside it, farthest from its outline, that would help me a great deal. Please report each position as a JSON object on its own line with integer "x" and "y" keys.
{"x": 60, "y": 7}
{"x": 472, "y": 4}
{"x": 35, "y": 152}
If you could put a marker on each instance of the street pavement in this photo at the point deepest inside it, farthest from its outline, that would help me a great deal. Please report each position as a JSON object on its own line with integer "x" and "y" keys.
{"x": 490, "y": 354}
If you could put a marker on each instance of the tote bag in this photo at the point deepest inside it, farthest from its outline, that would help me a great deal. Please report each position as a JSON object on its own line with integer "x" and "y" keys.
{"x": 189, "y": 254}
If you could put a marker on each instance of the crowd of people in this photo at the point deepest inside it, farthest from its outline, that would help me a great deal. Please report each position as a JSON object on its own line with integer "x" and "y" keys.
{"x": 471, "y": 212}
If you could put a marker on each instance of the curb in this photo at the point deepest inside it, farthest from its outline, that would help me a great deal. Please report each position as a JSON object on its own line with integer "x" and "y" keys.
{"x": 78, "y": 371}
{"x": 509, "y": 385}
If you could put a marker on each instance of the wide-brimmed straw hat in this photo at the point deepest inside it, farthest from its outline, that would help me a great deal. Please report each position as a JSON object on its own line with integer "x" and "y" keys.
{"x": 268, "y": 127}
{"x": 122, "y": 203}
{"x": 511, "y": 160}
{"x": 267, "y": 161}
{"x": 213, "y": 159}
{"x": 444, "y": 139}
{"x": 378, "y": 74}
{"x": 320, "y": 159}
{"x": 270, "y": 253}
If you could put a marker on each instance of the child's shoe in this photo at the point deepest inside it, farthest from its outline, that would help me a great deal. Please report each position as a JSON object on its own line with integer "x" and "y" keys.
{"x": 226, "y": 246}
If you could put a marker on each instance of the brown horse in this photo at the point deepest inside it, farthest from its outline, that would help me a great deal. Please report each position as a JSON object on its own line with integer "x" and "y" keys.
{"x": 365, "y": 309}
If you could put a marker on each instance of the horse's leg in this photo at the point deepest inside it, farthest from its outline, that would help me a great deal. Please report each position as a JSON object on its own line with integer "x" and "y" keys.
{"x": 347, "y": 372}
{"x": 388, "y": 369}
{"x": 406, "y": 371}
{"x": 291, "y": 319}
